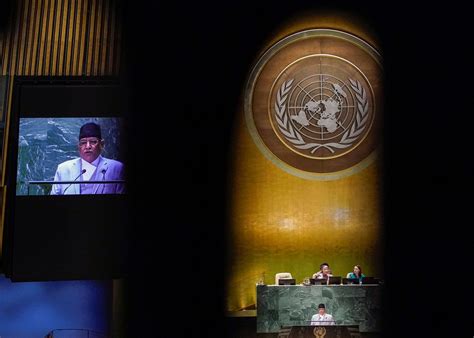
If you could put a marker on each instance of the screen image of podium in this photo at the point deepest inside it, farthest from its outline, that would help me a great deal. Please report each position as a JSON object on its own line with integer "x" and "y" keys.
{"x": 293, "y": 305}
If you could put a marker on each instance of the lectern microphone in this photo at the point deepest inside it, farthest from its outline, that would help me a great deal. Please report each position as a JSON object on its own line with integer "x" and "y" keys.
{"x": 82, "y": 173}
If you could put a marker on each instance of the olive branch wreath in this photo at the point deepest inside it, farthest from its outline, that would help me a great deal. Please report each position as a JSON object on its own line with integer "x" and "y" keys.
{"x": 349, "y": 137}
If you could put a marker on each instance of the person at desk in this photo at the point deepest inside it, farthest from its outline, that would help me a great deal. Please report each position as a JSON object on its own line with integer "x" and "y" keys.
{"x": 90, "y": 166}
{"x": 322, "y": 318}
{"x": 324, "y": 272}
{"x": 356, "y": 273}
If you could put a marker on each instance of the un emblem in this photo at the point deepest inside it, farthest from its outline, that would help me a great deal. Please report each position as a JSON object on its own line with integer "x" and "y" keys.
{"x": 313, "y": 103}
{"x": 319, "y": 331}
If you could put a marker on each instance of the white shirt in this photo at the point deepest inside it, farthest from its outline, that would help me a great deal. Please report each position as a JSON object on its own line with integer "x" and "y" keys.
{"x": 325, "y": 319}
{"x": 90, "y": 168}
{"x": 319, "y": 275}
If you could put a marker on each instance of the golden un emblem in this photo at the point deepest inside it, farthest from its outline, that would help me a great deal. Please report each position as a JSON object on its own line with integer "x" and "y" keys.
{"x": 319, "y": 331}
{"x": 313, "y": 104}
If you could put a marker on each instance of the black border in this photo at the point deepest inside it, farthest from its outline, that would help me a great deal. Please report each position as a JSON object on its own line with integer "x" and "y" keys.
{"x": 94, "y": 249}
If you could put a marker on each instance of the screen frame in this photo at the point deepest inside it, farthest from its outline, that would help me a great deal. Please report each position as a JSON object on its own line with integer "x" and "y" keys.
{"x": 351, "y": 281}
{"x": 83, "y": 254}
{"x": 370, "y": 280}
{"x": 335, "y": 280}
{"x": 287, "y": 281}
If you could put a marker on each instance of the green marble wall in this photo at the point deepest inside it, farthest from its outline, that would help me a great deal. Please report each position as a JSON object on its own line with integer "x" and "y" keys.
{"x": 282, "y": 306}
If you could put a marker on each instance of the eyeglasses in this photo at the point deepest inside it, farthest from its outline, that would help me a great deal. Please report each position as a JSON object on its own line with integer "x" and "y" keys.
{"x": 93, "y": 142}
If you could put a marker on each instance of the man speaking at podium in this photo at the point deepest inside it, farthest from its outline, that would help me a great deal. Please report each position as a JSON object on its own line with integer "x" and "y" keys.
{"x": 322, "y": 318}
{"x": 91, "y": 166}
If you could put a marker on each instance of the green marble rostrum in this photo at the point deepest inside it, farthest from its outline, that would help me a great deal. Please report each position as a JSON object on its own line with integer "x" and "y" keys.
{"x": 294, "y": 305}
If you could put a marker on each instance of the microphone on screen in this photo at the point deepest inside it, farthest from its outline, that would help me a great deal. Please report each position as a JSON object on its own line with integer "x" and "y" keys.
{"x": 82, "y": 173}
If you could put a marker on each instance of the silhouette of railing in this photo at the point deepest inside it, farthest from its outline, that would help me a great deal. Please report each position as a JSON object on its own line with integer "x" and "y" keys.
{"x": 75, "y": 333}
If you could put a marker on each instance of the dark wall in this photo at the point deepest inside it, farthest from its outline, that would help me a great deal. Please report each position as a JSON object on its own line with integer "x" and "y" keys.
{"x": 189, "y": 84}
{"x": 6, "y": 7}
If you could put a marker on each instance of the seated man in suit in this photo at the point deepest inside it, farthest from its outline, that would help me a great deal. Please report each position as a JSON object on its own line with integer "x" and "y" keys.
{"x": 90, "y": 166}
{"x": 322, "y": 318}
{"x": 324, "y": 272}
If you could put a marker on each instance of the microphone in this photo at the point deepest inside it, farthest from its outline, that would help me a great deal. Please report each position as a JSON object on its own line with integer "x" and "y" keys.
{"x": 82, "y": 173}
{"x": 103, "y": 171}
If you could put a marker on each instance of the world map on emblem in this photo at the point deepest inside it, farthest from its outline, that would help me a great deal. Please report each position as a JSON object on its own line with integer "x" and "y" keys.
{"x": 313, "y": 104}
{"x": 322, "y": 109}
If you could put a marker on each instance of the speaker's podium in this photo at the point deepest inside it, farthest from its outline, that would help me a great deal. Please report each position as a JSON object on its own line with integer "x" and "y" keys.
{"x": 318, "y": 331}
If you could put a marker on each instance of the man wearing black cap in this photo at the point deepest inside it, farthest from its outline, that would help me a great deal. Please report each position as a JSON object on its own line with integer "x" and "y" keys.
{"x": 91, "y": 166}
{"x": 322, "y": 318}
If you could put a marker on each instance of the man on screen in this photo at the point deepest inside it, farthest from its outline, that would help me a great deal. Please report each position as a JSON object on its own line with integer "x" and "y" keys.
{"x": 322, "y": 318}
{"x": 91, "y": 166}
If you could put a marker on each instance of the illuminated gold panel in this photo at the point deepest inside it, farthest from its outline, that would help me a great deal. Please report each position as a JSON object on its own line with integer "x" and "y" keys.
{"x": 282, "y": 223}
